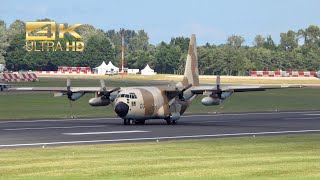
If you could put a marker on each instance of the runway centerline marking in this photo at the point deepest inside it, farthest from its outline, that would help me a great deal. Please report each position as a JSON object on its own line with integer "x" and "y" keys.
{"x": 161, "y": 138}
{"x": 108, "y": 132}
{"x": 57, "y": 127}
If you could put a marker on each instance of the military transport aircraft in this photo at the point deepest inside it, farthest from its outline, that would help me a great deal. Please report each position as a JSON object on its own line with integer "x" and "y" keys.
{"x": 137, "y": 104}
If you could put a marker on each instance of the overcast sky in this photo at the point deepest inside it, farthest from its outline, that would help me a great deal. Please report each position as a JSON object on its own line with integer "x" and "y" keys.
{"x": 211, "y": 20}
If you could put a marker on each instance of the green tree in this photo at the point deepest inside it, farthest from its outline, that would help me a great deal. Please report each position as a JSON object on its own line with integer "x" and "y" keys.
{"x": 235, "y": 41}
{"x": 269, "y": 44}
{"x": 98, "y": 49}
{"x": 16, "y": 53}
{"x": 182, "y": 42}
{"x": 259, "y": 41}
{"x": 4, "y": 42}
{"x": 288, "y": 41}
{"x": 167, "y": 58}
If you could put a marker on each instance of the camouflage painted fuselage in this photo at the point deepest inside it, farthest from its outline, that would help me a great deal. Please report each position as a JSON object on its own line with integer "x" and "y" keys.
{"x": 150, "y": 103}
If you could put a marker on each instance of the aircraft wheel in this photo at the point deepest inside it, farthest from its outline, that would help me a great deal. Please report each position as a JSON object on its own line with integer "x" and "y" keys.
{"x": 174, "y": 122}
{"x": 129, "y": 121}
{"x": 140, "y": 122}
{"x": 169, "y": 122}
{"x": 125, "y": 122}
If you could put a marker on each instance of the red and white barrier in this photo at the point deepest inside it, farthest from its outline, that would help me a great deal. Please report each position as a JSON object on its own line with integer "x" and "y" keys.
{"x": 282, "y": 73}
{"x": 28, "y": 77}
{"x": 14, "y": 77}
{"x": 69, "y": 69}
{"x": 65, "y": 72}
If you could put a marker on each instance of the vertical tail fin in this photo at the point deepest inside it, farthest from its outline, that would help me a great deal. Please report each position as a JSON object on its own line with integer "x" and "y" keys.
{"x": 191, "y": 72}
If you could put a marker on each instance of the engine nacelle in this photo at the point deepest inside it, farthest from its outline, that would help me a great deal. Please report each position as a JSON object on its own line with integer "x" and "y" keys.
{"x": 99, "y": 101}
{"x": 226, "y": 94}
{"x": 76, "y": 96}
{"x": 211, "y": 101}
{"x": 174, "y": 116}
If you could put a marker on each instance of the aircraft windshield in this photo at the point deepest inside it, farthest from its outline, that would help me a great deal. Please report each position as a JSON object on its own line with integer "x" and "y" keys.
{"x": 131, "y": 96}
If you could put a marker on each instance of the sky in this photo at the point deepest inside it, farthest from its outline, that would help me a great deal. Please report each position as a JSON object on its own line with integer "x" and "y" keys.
{"x": 211, "y": 20}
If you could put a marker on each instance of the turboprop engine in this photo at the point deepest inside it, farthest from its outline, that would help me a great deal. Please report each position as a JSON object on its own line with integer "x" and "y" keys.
{"x": 99, "y": 101}
{"x": 211, "y": 101}
{"x": 104, "y": 97}
{"x": 216, "y": 96}
{"x": 76, "y": 96}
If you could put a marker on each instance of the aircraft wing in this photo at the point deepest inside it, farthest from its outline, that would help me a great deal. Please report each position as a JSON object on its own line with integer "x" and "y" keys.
{"x": 60, "y": 89}
{"x": 240, "y": 88}
{"x": 4, "y": 86}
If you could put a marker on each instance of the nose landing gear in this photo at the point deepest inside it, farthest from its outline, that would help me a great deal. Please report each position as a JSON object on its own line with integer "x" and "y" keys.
{"x": 132, "y": 121}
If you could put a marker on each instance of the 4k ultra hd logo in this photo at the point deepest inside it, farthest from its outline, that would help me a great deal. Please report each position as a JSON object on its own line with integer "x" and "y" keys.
{"x": 43, "y": 36}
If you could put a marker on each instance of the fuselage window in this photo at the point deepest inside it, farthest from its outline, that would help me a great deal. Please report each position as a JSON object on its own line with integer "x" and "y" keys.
{"x": 127, "y": 95}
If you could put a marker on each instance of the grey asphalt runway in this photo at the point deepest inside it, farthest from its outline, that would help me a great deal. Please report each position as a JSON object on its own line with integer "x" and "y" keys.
{"x": 57, "y": 132}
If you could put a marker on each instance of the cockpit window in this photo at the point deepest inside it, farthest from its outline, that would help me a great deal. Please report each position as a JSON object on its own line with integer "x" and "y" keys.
{"x": 131, "y": 96}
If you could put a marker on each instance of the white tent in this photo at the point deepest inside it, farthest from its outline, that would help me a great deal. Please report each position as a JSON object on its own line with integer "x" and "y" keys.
{"x": 147, "y": 71}
{"x": 106, "y": 69}
{"x": 112, "y": 69}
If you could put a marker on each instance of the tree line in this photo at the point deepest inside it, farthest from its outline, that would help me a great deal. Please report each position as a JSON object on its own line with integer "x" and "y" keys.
{"x": 297, "y": 50}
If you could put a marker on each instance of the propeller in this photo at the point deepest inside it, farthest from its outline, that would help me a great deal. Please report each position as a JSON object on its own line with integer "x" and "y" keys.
{"x": 106, "y": 93}
{"x": 69, "y": 94}
{"x": 180, "y": 95}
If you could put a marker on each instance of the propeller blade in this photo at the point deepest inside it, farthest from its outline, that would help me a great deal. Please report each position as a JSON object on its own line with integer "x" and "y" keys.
{"x": 218, "y": 91}
{"x": 58, "y": 94}
{"x": 218, "y": 82}
{"x": 115, "y": 89}
{"x": 69, "y": 92}
{"x": 180, "y": 95}
{"x": 68, "y": 84}
{"x": 103, "y": 84}
{"x": 186, "y": 88}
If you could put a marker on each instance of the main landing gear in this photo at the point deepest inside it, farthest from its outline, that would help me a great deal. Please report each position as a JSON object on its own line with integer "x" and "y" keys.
{"x": 171, "y": 122}
{"x": 132, "y": 121}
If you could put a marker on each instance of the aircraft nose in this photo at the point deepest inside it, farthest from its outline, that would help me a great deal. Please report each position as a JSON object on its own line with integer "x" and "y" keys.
{"x": 121, "y": 109}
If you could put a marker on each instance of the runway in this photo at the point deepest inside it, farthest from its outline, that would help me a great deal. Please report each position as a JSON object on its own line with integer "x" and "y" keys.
{"x": 57, "y": 132}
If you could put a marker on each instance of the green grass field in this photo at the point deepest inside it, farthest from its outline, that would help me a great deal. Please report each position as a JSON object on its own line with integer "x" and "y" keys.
{"x": 44, "y": 105}
{"x": 284, "y": 157}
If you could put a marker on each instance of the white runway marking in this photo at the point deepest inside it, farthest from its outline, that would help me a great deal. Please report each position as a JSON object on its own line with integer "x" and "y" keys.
{"x": 57, "y": 127}
{"x": 306, "y": 118}
{"x": 312, "y": 114}
{"x": 109, "y": 132}
{"x": 216, "y": 121}
{"x": 159, "y": 138}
